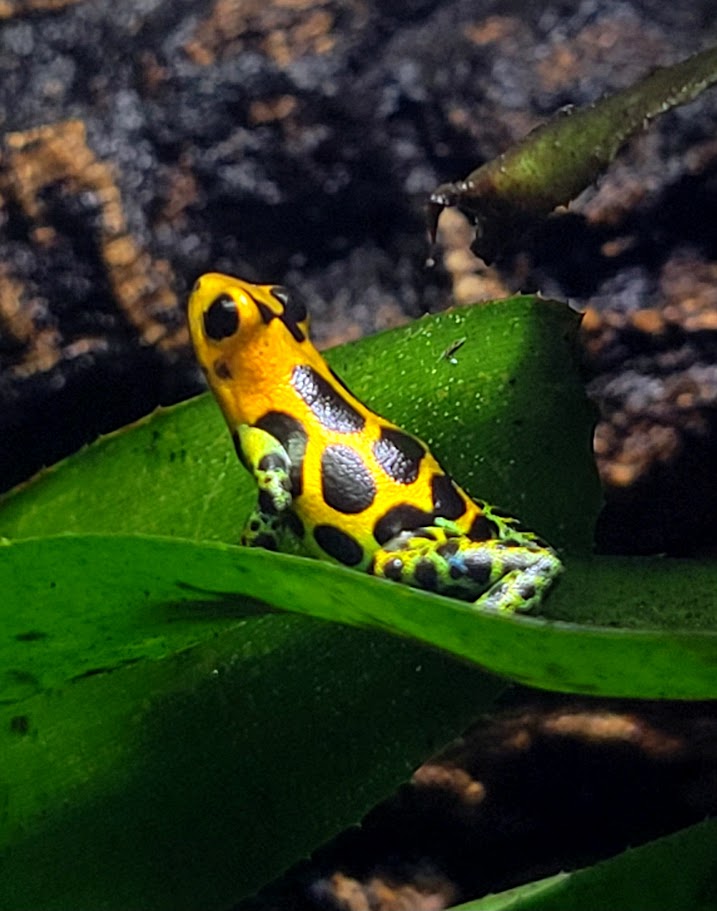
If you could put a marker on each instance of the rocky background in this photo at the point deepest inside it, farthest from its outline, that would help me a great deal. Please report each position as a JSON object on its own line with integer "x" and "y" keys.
{"x": 296, "y": 141}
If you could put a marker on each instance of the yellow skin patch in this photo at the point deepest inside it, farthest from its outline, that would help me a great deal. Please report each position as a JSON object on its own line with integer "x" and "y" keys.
{"x": 337, "y": 481}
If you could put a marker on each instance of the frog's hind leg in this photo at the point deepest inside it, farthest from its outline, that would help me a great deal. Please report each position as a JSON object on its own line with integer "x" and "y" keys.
{"x": 503, "y": 575}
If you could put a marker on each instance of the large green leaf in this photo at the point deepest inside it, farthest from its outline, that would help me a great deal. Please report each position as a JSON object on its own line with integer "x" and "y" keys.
{"x": 72, "y": 620}
{"x": 188, "y": 782}
{"x": 677, "y": 871}
{"x": 191, "y": 779}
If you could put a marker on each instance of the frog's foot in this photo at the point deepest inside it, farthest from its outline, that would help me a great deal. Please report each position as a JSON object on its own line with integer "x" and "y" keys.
{"x": 262, "y": 530}
{"x": 273, "y": 531}
{"x": 497, "y": 575}
{"x": 269, "y": 462}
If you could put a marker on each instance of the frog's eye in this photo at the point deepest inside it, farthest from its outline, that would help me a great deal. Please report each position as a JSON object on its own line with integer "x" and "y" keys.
{"x": 294, "y": 306}
{"x": 221, "y": 318}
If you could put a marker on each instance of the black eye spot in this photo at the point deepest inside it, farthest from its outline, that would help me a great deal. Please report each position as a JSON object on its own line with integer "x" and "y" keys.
{"x": 221, "y": 319}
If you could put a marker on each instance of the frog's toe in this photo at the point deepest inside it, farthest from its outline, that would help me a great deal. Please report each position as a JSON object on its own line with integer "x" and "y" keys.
{"x": 261, "y": 531}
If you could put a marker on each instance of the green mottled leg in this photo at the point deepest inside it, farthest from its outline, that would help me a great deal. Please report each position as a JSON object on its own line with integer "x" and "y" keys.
{"x": 498, "y": 574}
{"x": 272, "y": 531}
{"x": 268, "y": 461}
{"x": 272, "y": 525}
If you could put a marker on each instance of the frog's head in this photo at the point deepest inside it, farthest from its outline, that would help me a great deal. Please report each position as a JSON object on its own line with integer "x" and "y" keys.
{"x": 244, "y": 336}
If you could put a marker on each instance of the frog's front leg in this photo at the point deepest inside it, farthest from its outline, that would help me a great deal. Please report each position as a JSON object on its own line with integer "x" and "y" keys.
{"x": 497, "y": 574}
{"x": 268, "y": 461}
{"x": 272, "y": 525}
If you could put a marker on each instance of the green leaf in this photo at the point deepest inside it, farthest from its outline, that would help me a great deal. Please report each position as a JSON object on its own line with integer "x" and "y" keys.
{"x": 677, "y": 871}
{"x": 190, "y": 781}
{"x": 72, "y": 619}
{"x": 152, "y": 772}
{"x": 486, "y": 417}
{"x": 558, "y": 160}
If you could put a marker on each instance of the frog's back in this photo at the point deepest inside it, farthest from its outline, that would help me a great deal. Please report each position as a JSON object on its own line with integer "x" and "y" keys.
{"x": 365, "y": 480}
{"x": 358, "y": 480}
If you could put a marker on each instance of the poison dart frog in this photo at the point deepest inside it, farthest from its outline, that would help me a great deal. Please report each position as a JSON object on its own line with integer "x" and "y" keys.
{"x": 336, "y": 480}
